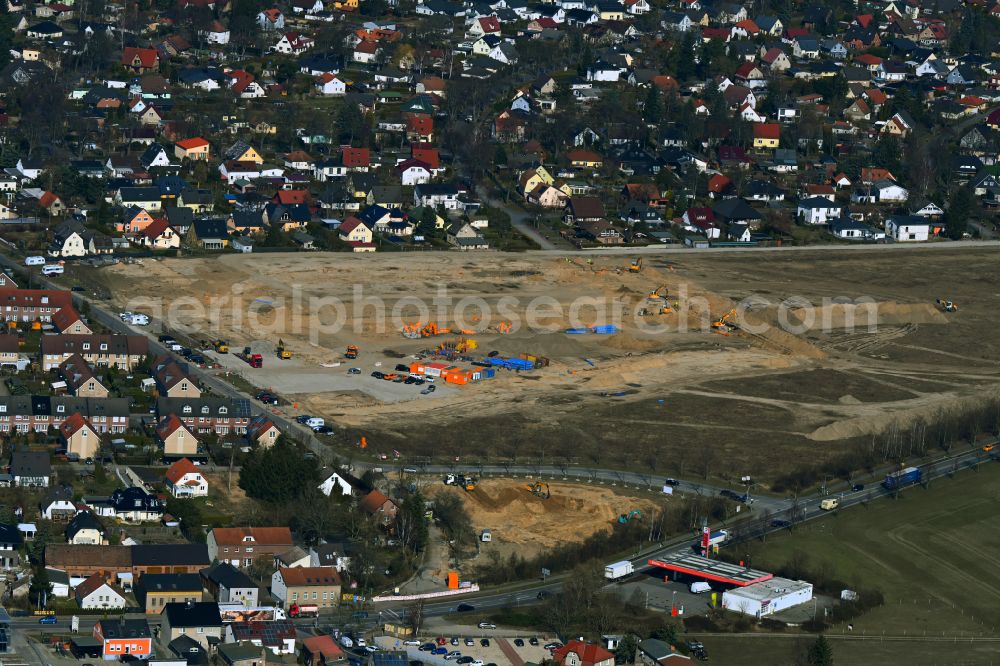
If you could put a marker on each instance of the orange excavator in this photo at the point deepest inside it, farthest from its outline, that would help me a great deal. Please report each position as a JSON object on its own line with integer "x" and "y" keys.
{"x": 722, "y": 325}
{"x": 418, "y": 330}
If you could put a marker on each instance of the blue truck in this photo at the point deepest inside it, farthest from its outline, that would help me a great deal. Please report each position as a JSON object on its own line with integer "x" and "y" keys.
{"x": 902, "y": 478}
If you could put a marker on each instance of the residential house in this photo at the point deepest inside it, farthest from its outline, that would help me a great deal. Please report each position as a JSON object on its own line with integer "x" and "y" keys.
{"x": 321, "y": 651}
{"x": 319, "y": 586}
{"x": 96, "y": 593}
{"x": 197, "y": 620}
{"x": 262, "y": 432}
{"x": 907, "y": 228}
{"x": 80, "y": 379}
{"x": 173, "y": 380}
{"x": 120, "y": 351}
{"x": 579, "y": 653}
{"x": 229, "y": 585}
{"x": 240, "y": 546}
{"x": 195, "y": 149}
{"x": 58, "y": 505}
{"x": 122, "y": 638}
{"x": 466, "y": 237}
{"x": 177, "y": 439}
{"x": 184, "y": 480}
{"x": 818, "y": 210}
{"x": 154, "y": 591}
{"x": 11, "y": 539}
{"x": 379, "y": 507}
{"x": 79, "y": 437}
{"x": 30, "y": 469}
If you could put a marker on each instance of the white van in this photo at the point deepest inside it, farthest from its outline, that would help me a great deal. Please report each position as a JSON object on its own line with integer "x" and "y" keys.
{"x": 34, "y": 261}
{"x": 138, "y": 320}
{"x": 829, "y": 504}
{"x": 700, "y": 586}
{"x": 315, "y": 422}
{"x": 52, "y": 269}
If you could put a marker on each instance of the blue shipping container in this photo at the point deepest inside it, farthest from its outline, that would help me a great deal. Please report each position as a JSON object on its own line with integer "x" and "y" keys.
{"x": 577, "y": 331}
{"x": 604, "y": 330}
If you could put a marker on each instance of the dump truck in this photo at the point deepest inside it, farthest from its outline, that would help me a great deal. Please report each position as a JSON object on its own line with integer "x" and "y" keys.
{"x": 283, "y": 353}
{"x": 255, "y": 360}
{"x": 352, "y": 351}
{"x": 618, "y": 570}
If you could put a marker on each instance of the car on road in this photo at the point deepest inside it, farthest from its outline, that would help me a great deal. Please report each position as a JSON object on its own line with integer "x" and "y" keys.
{"x": 519, "y": 642}
{"x": 48, "y": 619}
{"x": 780, "y": 524}
{"x": 857, "y": 487}
{"x": 544, "y": 594}
{"x": 487, "y": 625}
{"x": 465, "y": 608}
{"x": 671, "y": 482}
{"x": 326, "y": 430}
{"x": 485, "y": 642}
{"x": 533, "y": 640}
{"x": 354, "y": 371}
{"x": 302, "y": 418}
{"x": 77, "y": 287}
{"x": 165, "y": 338}
{"x": 371, "y": 649}
{"x": 987, "y": 448}
{"x": 429, "y": 389}
{"x": 731, "y": 494}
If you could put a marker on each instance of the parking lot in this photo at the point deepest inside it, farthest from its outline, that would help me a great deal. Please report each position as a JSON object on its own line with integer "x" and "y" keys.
{"x": 500, "y": 651}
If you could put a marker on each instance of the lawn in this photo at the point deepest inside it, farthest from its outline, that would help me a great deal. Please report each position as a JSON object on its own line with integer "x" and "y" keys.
{"x": 932, "y": 553}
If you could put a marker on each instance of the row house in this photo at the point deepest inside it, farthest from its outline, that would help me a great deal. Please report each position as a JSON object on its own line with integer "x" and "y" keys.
{"x": 240, "y": 546}
{"x": 125, "y": 564}
{"x": 208, "y": 414}
{"x": 121, "y": 351}
{"x": 32, "y": 304}
{"x": 39, "y": 413}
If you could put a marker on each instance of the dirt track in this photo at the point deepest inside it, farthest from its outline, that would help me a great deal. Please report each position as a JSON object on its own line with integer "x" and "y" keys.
{"x": 680, "y": 401}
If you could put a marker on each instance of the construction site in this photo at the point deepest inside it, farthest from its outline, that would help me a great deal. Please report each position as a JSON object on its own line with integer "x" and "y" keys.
{"x": 681, "y": 362}
{"x": 528, "y": 517}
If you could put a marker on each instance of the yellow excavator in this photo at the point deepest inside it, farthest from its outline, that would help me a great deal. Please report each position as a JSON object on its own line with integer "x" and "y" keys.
{"x": 283, "y": 353}
{"x": 541, "y": 490}
{"x": 635, "y": 266}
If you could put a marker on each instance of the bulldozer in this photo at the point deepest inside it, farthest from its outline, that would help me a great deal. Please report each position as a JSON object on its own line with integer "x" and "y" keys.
{"x": 352, "y": 351}
{"x": 635, "y": 266}
{"x": 221, "y": 346}
{"x": 540, "y": 490}
{"x": 283, "y": 353}
{"x": 625, "y": 518}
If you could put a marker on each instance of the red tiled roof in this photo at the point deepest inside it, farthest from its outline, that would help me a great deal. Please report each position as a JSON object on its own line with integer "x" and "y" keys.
{"x": 177, "y": 471}
{"x": 74, "y": 424}
{"x": 147, "y": 57}
{"x": 266, "y": 536}
{"x": 589, "y": 653}
{"x": 767, "y": 131}
{"x": 195, "y": 142}
{"x": 356, "y": 157}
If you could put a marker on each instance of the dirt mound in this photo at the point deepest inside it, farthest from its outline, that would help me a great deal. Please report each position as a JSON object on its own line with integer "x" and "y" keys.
{"x": 571, "y": 514}
{"x": 863, "y": 316}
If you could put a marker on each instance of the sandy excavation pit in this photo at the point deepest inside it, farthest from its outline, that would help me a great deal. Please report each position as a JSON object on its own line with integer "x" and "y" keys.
{"x": 664, "y": 392}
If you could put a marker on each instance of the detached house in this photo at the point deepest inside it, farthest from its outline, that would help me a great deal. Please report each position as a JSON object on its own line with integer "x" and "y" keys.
{"x": 79, "y": 437}
{"x": 240, "y": 546}
{"x": 184, "y": 480}
{"x": 139, "y": 60}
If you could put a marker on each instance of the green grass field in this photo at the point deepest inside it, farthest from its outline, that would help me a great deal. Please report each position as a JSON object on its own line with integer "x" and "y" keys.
{"x": 932, "y": 553}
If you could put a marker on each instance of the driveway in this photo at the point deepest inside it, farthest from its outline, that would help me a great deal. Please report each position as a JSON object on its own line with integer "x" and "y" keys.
{"x": 520, "y": 219}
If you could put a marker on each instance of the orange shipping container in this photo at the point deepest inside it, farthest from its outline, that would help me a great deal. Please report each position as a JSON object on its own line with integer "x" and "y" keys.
{"x": 452, "y": 580}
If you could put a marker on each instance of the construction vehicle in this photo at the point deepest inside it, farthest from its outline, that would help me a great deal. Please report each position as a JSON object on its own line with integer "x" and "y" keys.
{"x": 352, "y": 351}
{"x": 625, "y": 518}
{"x": 255, "y": 360}
{"x": 947, "y": 306}
{"x": 722, "y": 325}
{"x": 658, "y": 294}
{"x": 465, "y": 482}
{"x": 635, "y": 266}
{"x": 540, "y": 490}
{"x": 418, "y": 330}
{"x": 221, "y": 346}
{"x": 283, "y": 353}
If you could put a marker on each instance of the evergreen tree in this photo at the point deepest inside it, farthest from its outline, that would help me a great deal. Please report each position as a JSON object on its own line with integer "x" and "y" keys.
{"x": 278, "y": 474}
{"x": 956, "y": 218}
{"x": 652, "y": 108}
{"x": 820, "y": 653}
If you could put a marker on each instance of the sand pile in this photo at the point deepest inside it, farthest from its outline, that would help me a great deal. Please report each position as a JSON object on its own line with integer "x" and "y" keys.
{"x": 571, "y": 514}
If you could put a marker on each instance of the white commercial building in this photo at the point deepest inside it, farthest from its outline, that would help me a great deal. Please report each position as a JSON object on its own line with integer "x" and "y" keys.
{"x": 767, "y": 597}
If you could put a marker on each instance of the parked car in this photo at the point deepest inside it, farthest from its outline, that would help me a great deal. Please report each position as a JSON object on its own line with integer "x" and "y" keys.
{"x": 429, "y": 389}
{"x": 377, "y": 375}
{"x": 533, "y": 641}
{"x": 552, "y": 646}
{"x": 470, "y": 642}
{"x": 441, "y": 640}
{"x": 267, "y": 398}
{"x": 487, "y": 625}
{"x": 328, "y": 430}
{"x": 485, "y": 642}
{"x": 519, "y": 642}
{"x": 428, "y": 647}
{"x": 402, "y": 368}
{"x": 440, "y": 651}
{"x": 454, "y": 640}
{"x": 354, "y": 371}
{"x": 464, "y": 660}
{"x": 77, "y": 287}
